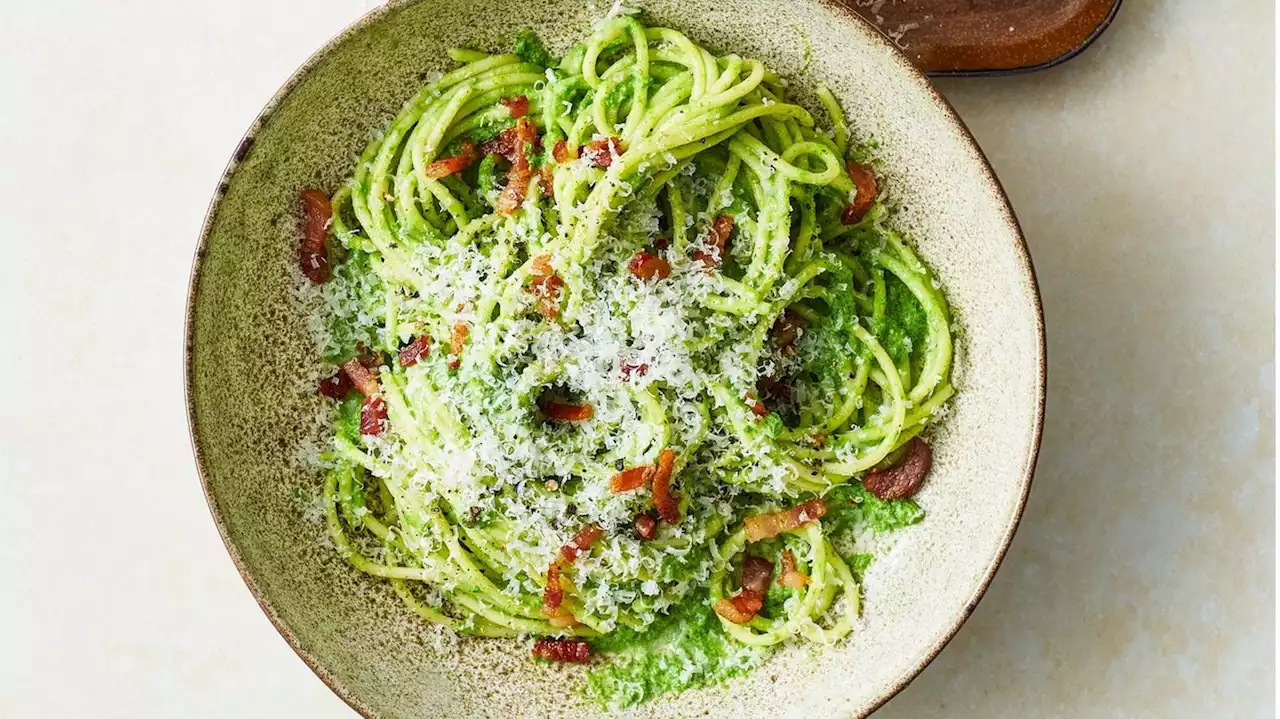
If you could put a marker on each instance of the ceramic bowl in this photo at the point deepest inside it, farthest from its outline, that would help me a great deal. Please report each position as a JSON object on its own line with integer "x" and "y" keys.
{"x": 250, "y": 368}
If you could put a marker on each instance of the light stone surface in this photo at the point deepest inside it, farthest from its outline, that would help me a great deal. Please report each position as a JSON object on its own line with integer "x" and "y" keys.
{"x": 1141, "y": 583}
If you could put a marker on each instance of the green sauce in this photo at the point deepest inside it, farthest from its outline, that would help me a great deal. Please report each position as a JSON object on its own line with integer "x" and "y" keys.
{"x": 684, "y": 649}
{"x": 529, "y": 47}
{"x": 905, "y": 328}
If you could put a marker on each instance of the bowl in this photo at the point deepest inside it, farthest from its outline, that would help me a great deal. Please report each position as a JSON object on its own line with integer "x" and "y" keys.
{"x": 250, "y": 367}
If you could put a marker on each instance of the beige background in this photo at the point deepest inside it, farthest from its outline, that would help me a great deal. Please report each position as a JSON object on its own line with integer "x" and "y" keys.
{"x": 1141, "y": 584}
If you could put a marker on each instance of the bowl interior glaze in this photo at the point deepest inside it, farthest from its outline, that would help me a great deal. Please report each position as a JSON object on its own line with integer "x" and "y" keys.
{"x": 244, "y": 324}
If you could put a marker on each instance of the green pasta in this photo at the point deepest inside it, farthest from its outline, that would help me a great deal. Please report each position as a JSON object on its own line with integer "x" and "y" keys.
{"x": 642, "y": 252}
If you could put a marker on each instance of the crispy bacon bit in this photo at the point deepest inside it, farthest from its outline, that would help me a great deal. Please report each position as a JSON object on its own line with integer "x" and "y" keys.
{"x": 461, "y": 330}
{"x": 581, "y": 542}
{"x": 717, "y": 242}
{"x": 452, "y": 165}
{"x": 756, "y": 572}
{"x": 790, "y": 577}
{"x": 518, "y": 106}
{"x": 564, "y": 411}
{"x": 646, "y": 526}
{"x": 663, "y": 500}
{"x": 787, "y": 330}
{"x": 728, "y": 608}
{"x": 312, "y": 256}
{"x": 361, "y": 376}
{"x": 864, "y": 179}
{"x": 743, "y": 606}
{"x": 546, "y": 285}
{"x": 764, "y": 526}
{"x": 757, "y": 407}
{"x": 526, "y": 132}
{"x": 517, "y": 187}
{"x": 819, "y": 440}
{"x": 373, "y": 414}
{"x": 630, "y": 479}
{"x": 512, "y": 144}
{"x": 574, "y": 651}
{"x": 903, "y": 479}
{"x": 504, "y": 144}
{"x": 646, "y": 266}
{"x": 639, "y": 369}
{"x": 415, "y": 350}
{"x": 601, "y": 152}
{"x": 773, "y": 390}
{"x": 337, "y": 386}
{"x": 552, "y": 593}
{"x": 561, "y": 152}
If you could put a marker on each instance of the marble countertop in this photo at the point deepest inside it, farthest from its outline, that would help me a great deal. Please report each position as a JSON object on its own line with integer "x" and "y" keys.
{"x": 1142, "y": 581}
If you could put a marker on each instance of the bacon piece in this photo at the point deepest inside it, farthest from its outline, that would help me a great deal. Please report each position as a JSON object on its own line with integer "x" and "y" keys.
{"x": 373, "y": 414}
{"x": 663, "y": 500}
{"x": 540, "y": 266}
{"x": 601, "y": 152}
{"x": 764, "y": 526}
{"x": 756, "y": 572}
{"x": 510, "y": 143}
{"x": 646, "y": 526}
{"x": 505, "y": 144}
{"x": 774, "y": 390}
{"x": 757, "y": 407}
{"x": 717, "y": 242}
{"x": 864, "y": 179}
{"x": 562, "y": 153}
{"x": 546, "y": 285}
{"x": 361, "y": 376}
{"x": 415, "y": 350}
{"x": 646, "y": 266}
{"x": 630, "y": 479}
{"x": 581, "y": 542}
{"x": 740, "y": 608}
{"x": 526, "y": 132}
{"x": 552, "y": 593}
{"x": 573, "y": 651}
{"x": 452, "y": 165}
{"x": 512, "y": 195}
{"x": 903, "y": 479}
{"x": 547, "y": 288}
{"x": 312, "y": 256}
{"x": 461, "y": 330}
{"x": 790, "y": 577}
{"x": 787, "y": 330}
{"x": 743, "y": 606}
{"x": 518, "y": 106}
{"x": 565, "y": 412}
{"x": 336, "y": 386}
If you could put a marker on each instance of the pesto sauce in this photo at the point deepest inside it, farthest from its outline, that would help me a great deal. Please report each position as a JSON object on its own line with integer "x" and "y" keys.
{"x": 905, "y": 328}
{"x": 684, "y": 649}
{"x": 850, "y": 507}
{"x": 529, "y": 47}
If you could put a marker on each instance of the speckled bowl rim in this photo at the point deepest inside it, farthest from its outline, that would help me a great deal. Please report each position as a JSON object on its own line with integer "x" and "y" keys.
{"x": 373, "y": 16}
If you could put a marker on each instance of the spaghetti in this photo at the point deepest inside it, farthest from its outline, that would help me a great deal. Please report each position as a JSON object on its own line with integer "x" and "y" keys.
{"x": 608, "y": 309}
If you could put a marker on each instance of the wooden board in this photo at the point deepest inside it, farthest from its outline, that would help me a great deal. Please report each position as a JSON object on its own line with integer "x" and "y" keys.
{"x": 988, "y": 37}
